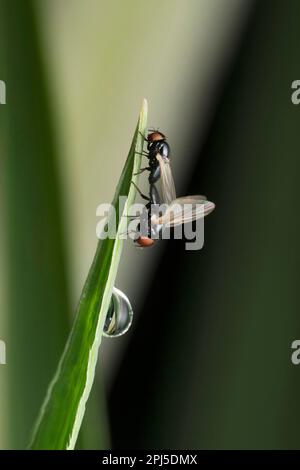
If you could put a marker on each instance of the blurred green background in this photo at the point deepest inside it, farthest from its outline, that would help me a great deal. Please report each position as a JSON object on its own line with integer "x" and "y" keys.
{"x": 207, "y": 361}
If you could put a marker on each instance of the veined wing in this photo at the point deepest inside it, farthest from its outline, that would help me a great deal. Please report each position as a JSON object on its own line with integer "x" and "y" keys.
{"x": 167, "y": 181}
{"x": 184, "y": 210}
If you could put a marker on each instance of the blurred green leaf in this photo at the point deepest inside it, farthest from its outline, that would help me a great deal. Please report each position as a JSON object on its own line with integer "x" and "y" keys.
{"x": 37, "y": 313}
{"x": 62, "y": 412}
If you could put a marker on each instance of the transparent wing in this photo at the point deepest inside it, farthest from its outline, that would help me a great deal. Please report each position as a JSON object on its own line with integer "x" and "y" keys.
{"x": 167, "y": 182}
{"x": 184, "y": 210}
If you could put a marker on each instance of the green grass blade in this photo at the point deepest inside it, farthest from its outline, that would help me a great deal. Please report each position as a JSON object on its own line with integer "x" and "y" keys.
{"x": 62, "y": 412}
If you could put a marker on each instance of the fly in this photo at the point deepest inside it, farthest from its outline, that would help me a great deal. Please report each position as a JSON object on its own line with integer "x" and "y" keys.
{"x": 178, "y": 211}
{"x": 156, "y": 144}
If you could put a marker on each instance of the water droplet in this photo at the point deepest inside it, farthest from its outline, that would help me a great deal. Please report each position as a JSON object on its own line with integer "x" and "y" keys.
{"x": 119, "y": 315}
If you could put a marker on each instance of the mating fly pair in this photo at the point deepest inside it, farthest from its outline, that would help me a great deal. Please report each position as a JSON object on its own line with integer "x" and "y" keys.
{"x": 178, "y": 211}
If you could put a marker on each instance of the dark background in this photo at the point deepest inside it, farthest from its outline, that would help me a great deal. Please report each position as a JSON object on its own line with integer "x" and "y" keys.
{"x": 219, "y": 373}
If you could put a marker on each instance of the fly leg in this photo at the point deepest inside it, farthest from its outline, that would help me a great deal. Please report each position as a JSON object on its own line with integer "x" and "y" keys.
{"x": 140, "y": 192}
{"x": 144, "y": 153}
{"x": 145, "y": 138}
{"x": 147, "y": 168}
{"x": 127, "y": 233}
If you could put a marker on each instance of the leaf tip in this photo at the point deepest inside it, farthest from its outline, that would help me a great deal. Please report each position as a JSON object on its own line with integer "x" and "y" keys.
{"x": 144, "y": 109}
{"x": 145, "y": 104}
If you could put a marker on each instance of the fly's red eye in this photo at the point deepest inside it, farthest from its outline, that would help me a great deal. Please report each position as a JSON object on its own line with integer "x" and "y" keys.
{"x": 155, "y": 136}
{"x": 144, "y": 242}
